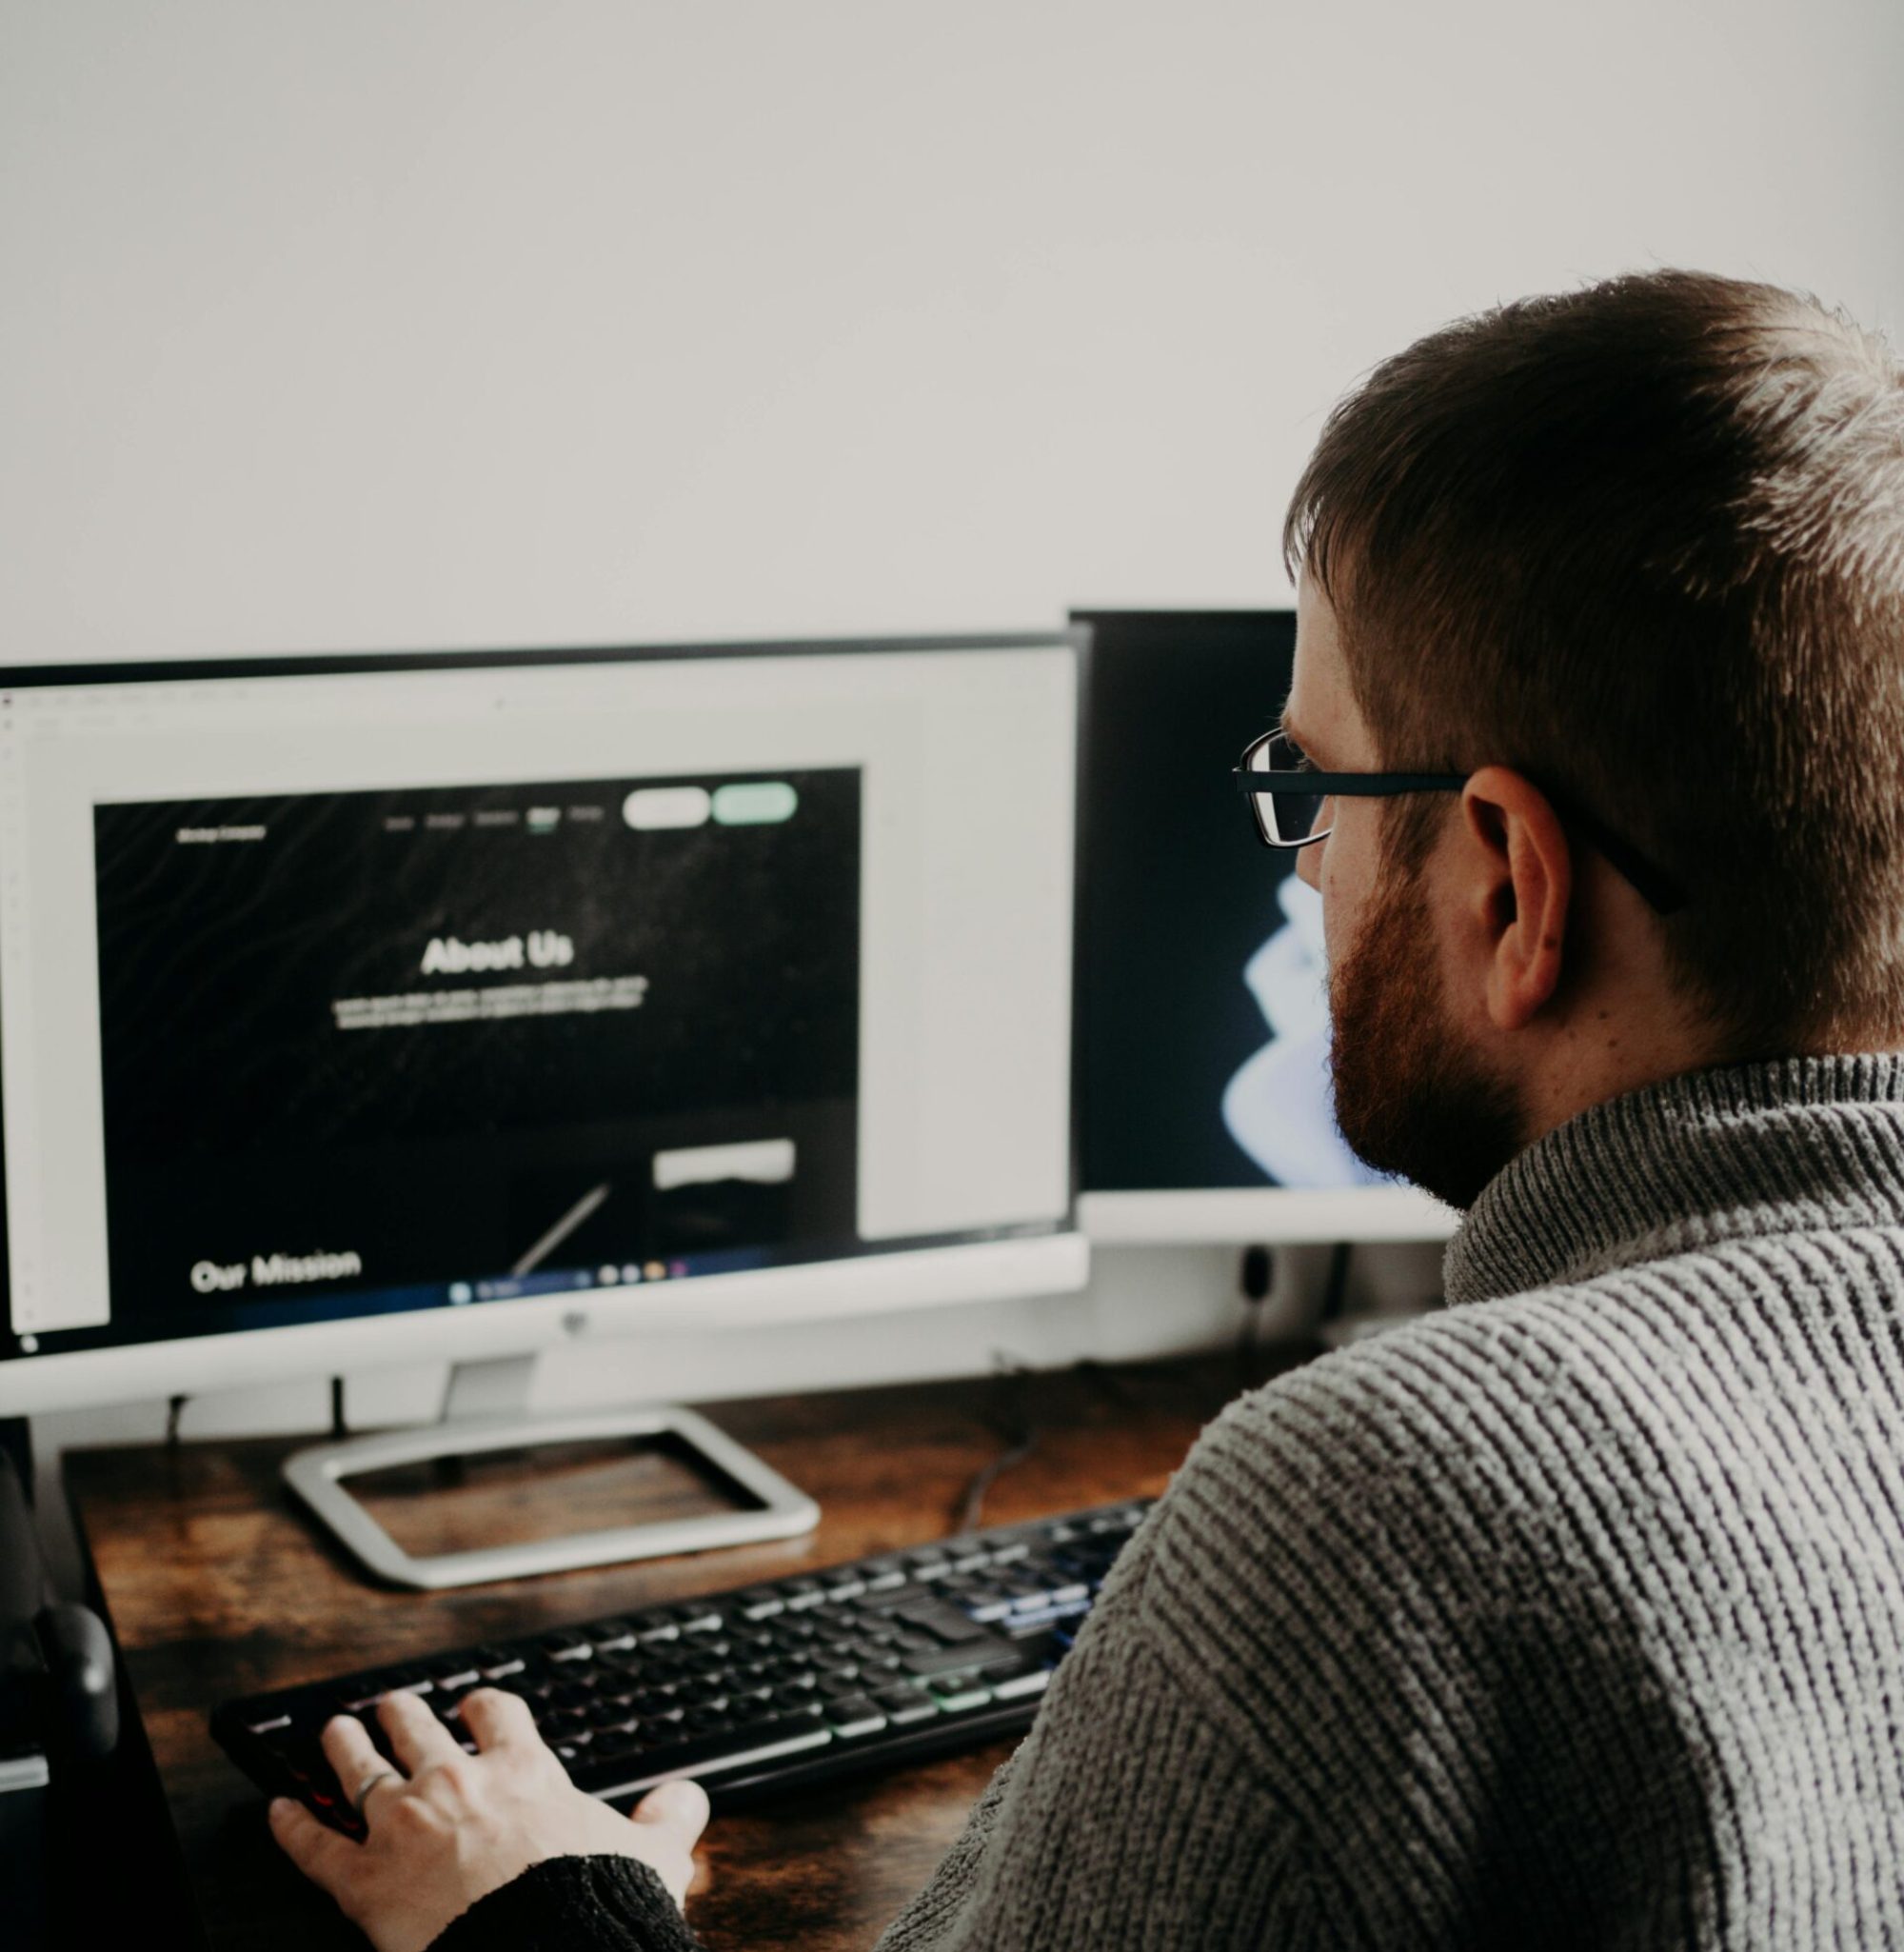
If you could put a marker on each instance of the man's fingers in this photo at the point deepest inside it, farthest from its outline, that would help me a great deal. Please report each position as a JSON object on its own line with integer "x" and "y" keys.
{"x": 321, "y": 1854}
{"x": 681, "y": 1806}
{"x": 499, "y": 1719}
{"x": 417, "y": 1737}
{"x": 351, "y": 1754}
{"x": 674, "y": 1814}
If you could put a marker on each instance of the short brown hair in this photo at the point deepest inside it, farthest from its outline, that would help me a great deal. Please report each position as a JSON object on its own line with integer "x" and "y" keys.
{"x": 1645, "y": 543}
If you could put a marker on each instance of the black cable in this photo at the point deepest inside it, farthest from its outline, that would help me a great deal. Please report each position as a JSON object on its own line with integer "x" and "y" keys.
{"x": 974, "y": 1510}
{"x": 174, "y": 1411}
{"x": 1255, "y": 1276}
{"x": 338, "y": 1426}
{"x": 1013, "y": 1387}
{"x": 1335, "y": 1287}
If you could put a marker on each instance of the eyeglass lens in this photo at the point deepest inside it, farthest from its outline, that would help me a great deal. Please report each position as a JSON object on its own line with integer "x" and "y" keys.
{"x": 1283, "y": 819}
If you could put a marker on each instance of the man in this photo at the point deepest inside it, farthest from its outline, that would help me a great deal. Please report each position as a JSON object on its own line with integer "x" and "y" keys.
{"x": 1573, "y": 1615}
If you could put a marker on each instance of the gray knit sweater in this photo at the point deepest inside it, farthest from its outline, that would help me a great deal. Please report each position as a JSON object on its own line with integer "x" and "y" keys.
{"x": 1573, "y": 1616}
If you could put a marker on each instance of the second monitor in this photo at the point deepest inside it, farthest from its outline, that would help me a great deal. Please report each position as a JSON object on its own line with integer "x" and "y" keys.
{"x": 1206, "y": 1113}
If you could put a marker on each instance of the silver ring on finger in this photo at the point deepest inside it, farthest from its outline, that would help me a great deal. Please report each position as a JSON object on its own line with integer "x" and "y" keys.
{"x": 370, "y": 1782}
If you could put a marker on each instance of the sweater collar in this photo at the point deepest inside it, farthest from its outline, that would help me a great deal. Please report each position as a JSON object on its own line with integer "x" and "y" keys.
{"x": 1794, "y": 1145}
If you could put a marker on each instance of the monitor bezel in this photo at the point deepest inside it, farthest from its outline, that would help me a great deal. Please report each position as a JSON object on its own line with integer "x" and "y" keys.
{"x": 1273, "y": 1216}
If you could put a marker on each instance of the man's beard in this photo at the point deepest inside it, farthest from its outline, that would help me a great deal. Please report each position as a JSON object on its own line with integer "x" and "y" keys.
{"x": 1410, "y": 1098}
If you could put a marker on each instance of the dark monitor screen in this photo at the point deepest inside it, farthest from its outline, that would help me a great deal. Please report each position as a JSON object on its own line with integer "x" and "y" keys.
{"x": 1203, "y": 1022}
{"x": 386, "y": 1022}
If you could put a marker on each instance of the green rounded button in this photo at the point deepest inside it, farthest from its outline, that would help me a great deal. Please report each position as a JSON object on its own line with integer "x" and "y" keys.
{"x": 757, "y": 804}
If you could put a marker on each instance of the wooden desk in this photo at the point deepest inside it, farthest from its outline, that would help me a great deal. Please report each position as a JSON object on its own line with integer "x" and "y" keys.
{"x": 217, "y": 1587}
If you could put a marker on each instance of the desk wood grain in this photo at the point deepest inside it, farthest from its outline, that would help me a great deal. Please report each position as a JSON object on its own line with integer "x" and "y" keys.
{"x": 218, "y": 1586}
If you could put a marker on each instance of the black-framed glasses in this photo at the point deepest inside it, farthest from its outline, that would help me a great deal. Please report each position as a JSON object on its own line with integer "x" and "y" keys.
{"x": 1286, "y": 796}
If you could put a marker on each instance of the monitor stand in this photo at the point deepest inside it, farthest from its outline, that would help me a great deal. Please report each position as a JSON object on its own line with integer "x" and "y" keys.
{"x": 486, "y": 1409}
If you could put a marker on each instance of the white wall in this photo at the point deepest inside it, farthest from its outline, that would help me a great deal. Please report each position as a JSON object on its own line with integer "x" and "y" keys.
{"x": 350, "y": 325}
{"x": 368, "y": 324}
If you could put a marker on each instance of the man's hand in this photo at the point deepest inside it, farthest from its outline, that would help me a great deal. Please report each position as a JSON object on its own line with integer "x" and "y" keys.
{"x": 451, "y": 1827}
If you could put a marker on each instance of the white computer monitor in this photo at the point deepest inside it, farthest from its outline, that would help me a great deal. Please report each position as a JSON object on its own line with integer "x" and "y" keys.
{"x": 1206, "y": 1111}
{"x": 370, "y": 1010}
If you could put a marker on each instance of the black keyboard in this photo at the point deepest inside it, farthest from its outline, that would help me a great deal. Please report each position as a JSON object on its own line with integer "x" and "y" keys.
{"x": 850, "y": 1667}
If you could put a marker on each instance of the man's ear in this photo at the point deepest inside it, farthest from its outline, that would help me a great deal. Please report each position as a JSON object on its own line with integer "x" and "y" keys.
{"x": 1522, "y": 886}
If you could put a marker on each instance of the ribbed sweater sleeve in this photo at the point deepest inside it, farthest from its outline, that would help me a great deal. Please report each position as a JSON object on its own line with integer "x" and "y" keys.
{"x": 573, "y": 1905}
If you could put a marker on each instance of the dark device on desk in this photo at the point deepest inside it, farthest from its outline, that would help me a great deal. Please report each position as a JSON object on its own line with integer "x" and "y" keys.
{"x": 59, "y": 1721}
{"x": 848, "y": 1668}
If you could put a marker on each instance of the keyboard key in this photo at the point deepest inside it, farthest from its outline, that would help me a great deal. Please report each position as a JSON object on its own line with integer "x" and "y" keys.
{"x": 707, "y": 1754}
{"x": 944, "y": 1624}
{"x": 853, "y": 1717}
{"x": 878, "y": 1602}
{"x": 988, "y": 1608}
{"x": 904, "y": 1707}
{"x": 952, "y": 1660}
{"x": 957, "y": 1694}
